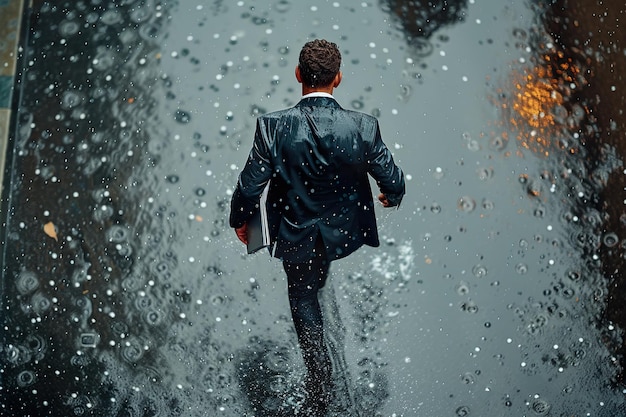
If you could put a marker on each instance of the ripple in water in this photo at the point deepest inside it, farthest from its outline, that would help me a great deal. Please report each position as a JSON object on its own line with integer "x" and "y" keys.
{"x": 610, "y": 240}
{"x": 26, "y": 282}
{"x": 26, "y": 378}
{"x": 68, "y": 28}
{"x": 466, "y": 204}
{"x": 117, "y": 234}
{"x": 540, "y": 407}
{"x": 70, "y": 99}
{"x": 479, "y": 270}
{"x": 132, "y": 351}
{"x": 462, "y": 411}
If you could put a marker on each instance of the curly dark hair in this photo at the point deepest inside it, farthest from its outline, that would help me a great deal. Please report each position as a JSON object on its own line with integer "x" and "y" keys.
{"x": 319, "y": 63}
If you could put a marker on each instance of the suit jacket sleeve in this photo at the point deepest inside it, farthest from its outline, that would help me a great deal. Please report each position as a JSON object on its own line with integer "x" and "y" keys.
{"x": 252, "y": 179}
{"x": 381, "y": 166}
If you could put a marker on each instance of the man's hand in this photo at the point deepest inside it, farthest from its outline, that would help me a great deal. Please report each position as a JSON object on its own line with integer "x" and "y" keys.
{"x": 383, "y": 199}
{"x": 242, "y": 233}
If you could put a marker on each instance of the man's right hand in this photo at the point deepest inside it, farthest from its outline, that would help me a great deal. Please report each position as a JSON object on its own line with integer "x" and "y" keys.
{"x": 383, "y": 199}
{"x": 242, "y": 233}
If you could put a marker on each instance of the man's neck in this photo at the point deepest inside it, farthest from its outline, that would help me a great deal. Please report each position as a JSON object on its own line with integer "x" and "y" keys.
{"x": 308, "y": 90}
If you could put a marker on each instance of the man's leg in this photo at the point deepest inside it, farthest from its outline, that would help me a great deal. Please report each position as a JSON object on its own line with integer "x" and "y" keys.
{"x": 304, "y": 280}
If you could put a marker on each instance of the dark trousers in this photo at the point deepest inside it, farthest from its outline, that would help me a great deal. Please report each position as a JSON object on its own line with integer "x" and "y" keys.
{"x": 303, "y": 281}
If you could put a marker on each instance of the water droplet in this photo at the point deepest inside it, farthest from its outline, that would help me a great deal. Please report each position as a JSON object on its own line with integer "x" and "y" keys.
{"x": 26, "y": 378}
{"x": 521, "y": 268}
{"x": 282, "y": 6}
{"x": 469, "y": 306}
{"x": 462, "y": 411}
{"x": 132, "y": 350}
{"x": 68, "y": 28}
{"x": 357, "y": 104}
{"x": 462, "y": 288}
{"x": 498, "y": 143}
{"x": 610, "y": 240}
{"x": 435, "y": 208}
{"x": 117, "y": 234}
{"x": 153, "y": 317}
{"x": 540, "y": 406}
{"x": 479, "y": 270}
{"x": 172, "y": 179}
{"x": 182, "y": 116}
{"x": 26, "y": 282}
{"x": 71, "y": 99}
{"x": 468, "y": 378}
{"x": 111, "y": 17}
{"x": 484, "y": 173}
{"x": 466, "y": 204}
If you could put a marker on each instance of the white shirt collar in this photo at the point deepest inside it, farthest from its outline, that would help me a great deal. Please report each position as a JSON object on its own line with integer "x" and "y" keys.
{"x": 318, "y": 94}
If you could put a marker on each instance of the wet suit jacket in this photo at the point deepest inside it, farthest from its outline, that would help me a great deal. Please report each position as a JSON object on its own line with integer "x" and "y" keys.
{"x": 317, "y": 157}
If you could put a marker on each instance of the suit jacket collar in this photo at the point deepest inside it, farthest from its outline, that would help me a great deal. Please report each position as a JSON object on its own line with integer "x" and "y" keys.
{"x": 323, "y": 101}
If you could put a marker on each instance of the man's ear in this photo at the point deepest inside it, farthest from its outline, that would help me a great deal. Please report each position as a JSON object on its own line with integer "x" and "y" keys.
{"x": 298, "y": 75}
{"x": 337, "y": 79}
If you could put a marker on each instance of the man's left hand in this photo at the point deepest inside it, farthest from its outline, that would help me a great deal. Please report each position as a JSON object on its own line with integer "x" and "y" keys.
{"x": 242, "y": 233}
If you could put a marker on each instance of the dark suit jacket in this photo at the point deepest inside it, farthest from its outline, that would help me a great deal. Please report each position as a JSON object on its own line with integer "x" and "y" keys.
{"x": 317, "y": 156}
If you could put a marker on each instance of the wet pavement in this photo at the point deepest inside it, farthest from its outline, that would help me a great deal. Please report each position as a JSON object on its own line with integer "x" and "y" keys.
{"x": 498, "y": 285}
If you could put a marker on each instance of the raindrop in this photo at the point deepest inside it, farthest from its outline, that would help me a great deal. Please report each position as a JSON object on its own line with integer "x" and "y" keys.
{"x": 172, "y": 179}
{"x": 143, "y": 303}
{"x": 26, "y": 282}
{"x": 117, "y": 234}
{"x": 40, "y": 304}
{"x": 469, "y": 306}
{"x": 539, "y": 212}
{"x": 573, "y": 275}
{"x": 498, "y": 143}
{"x": 182, "y": 116}
{"x": 479, "y": 270}
{"x": 488, "y": 204}
{"x": 68, "y": 28}
{"x": 484, "y": 173}
{"x": 468, "y": 378}
{"x": 71, "y": 99}
{"x": 200, "y": 192}
{"x": 132, "y": 351}
{"x": 140, "y": 14}
{"x": 102, "y": 213}
{"x": 104, "y": 60}
{"x": 435, "y": 208}
{"x": 282, "y": 6}
{"x": 610, "y": 240}
{"x": 540, "y": 406}
{"x": 462, "y": 411}
{"x": 153, "y": 317}
{"x": 110, "y": 17}
{"x": 462, "y": 288}
{"x": 466, "y": 204}
{"x": 357, "y": 104}
{"x": 521, "y": 268}
{"x": 26, "y": 378}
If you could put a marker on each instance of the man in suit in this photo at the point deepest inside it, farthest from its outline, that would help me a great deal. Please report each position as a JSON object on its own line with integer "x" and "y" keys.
{"x": 316, "y": 157}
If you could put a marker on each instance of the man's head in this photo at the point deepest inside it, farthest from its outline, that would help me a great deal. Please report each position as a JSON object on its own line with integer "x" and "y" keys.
{"x": 319, "y": 64}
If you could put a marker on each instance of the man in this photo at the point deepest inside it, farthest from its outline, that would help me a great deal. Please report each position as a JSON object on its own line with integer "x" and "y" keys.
{"x": 316, "y": 157}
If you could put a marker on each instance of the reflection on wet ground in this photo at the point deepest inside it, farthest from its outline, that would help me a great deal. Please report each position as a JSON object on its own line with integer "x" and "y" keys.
{"x": 495, "y": 291}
